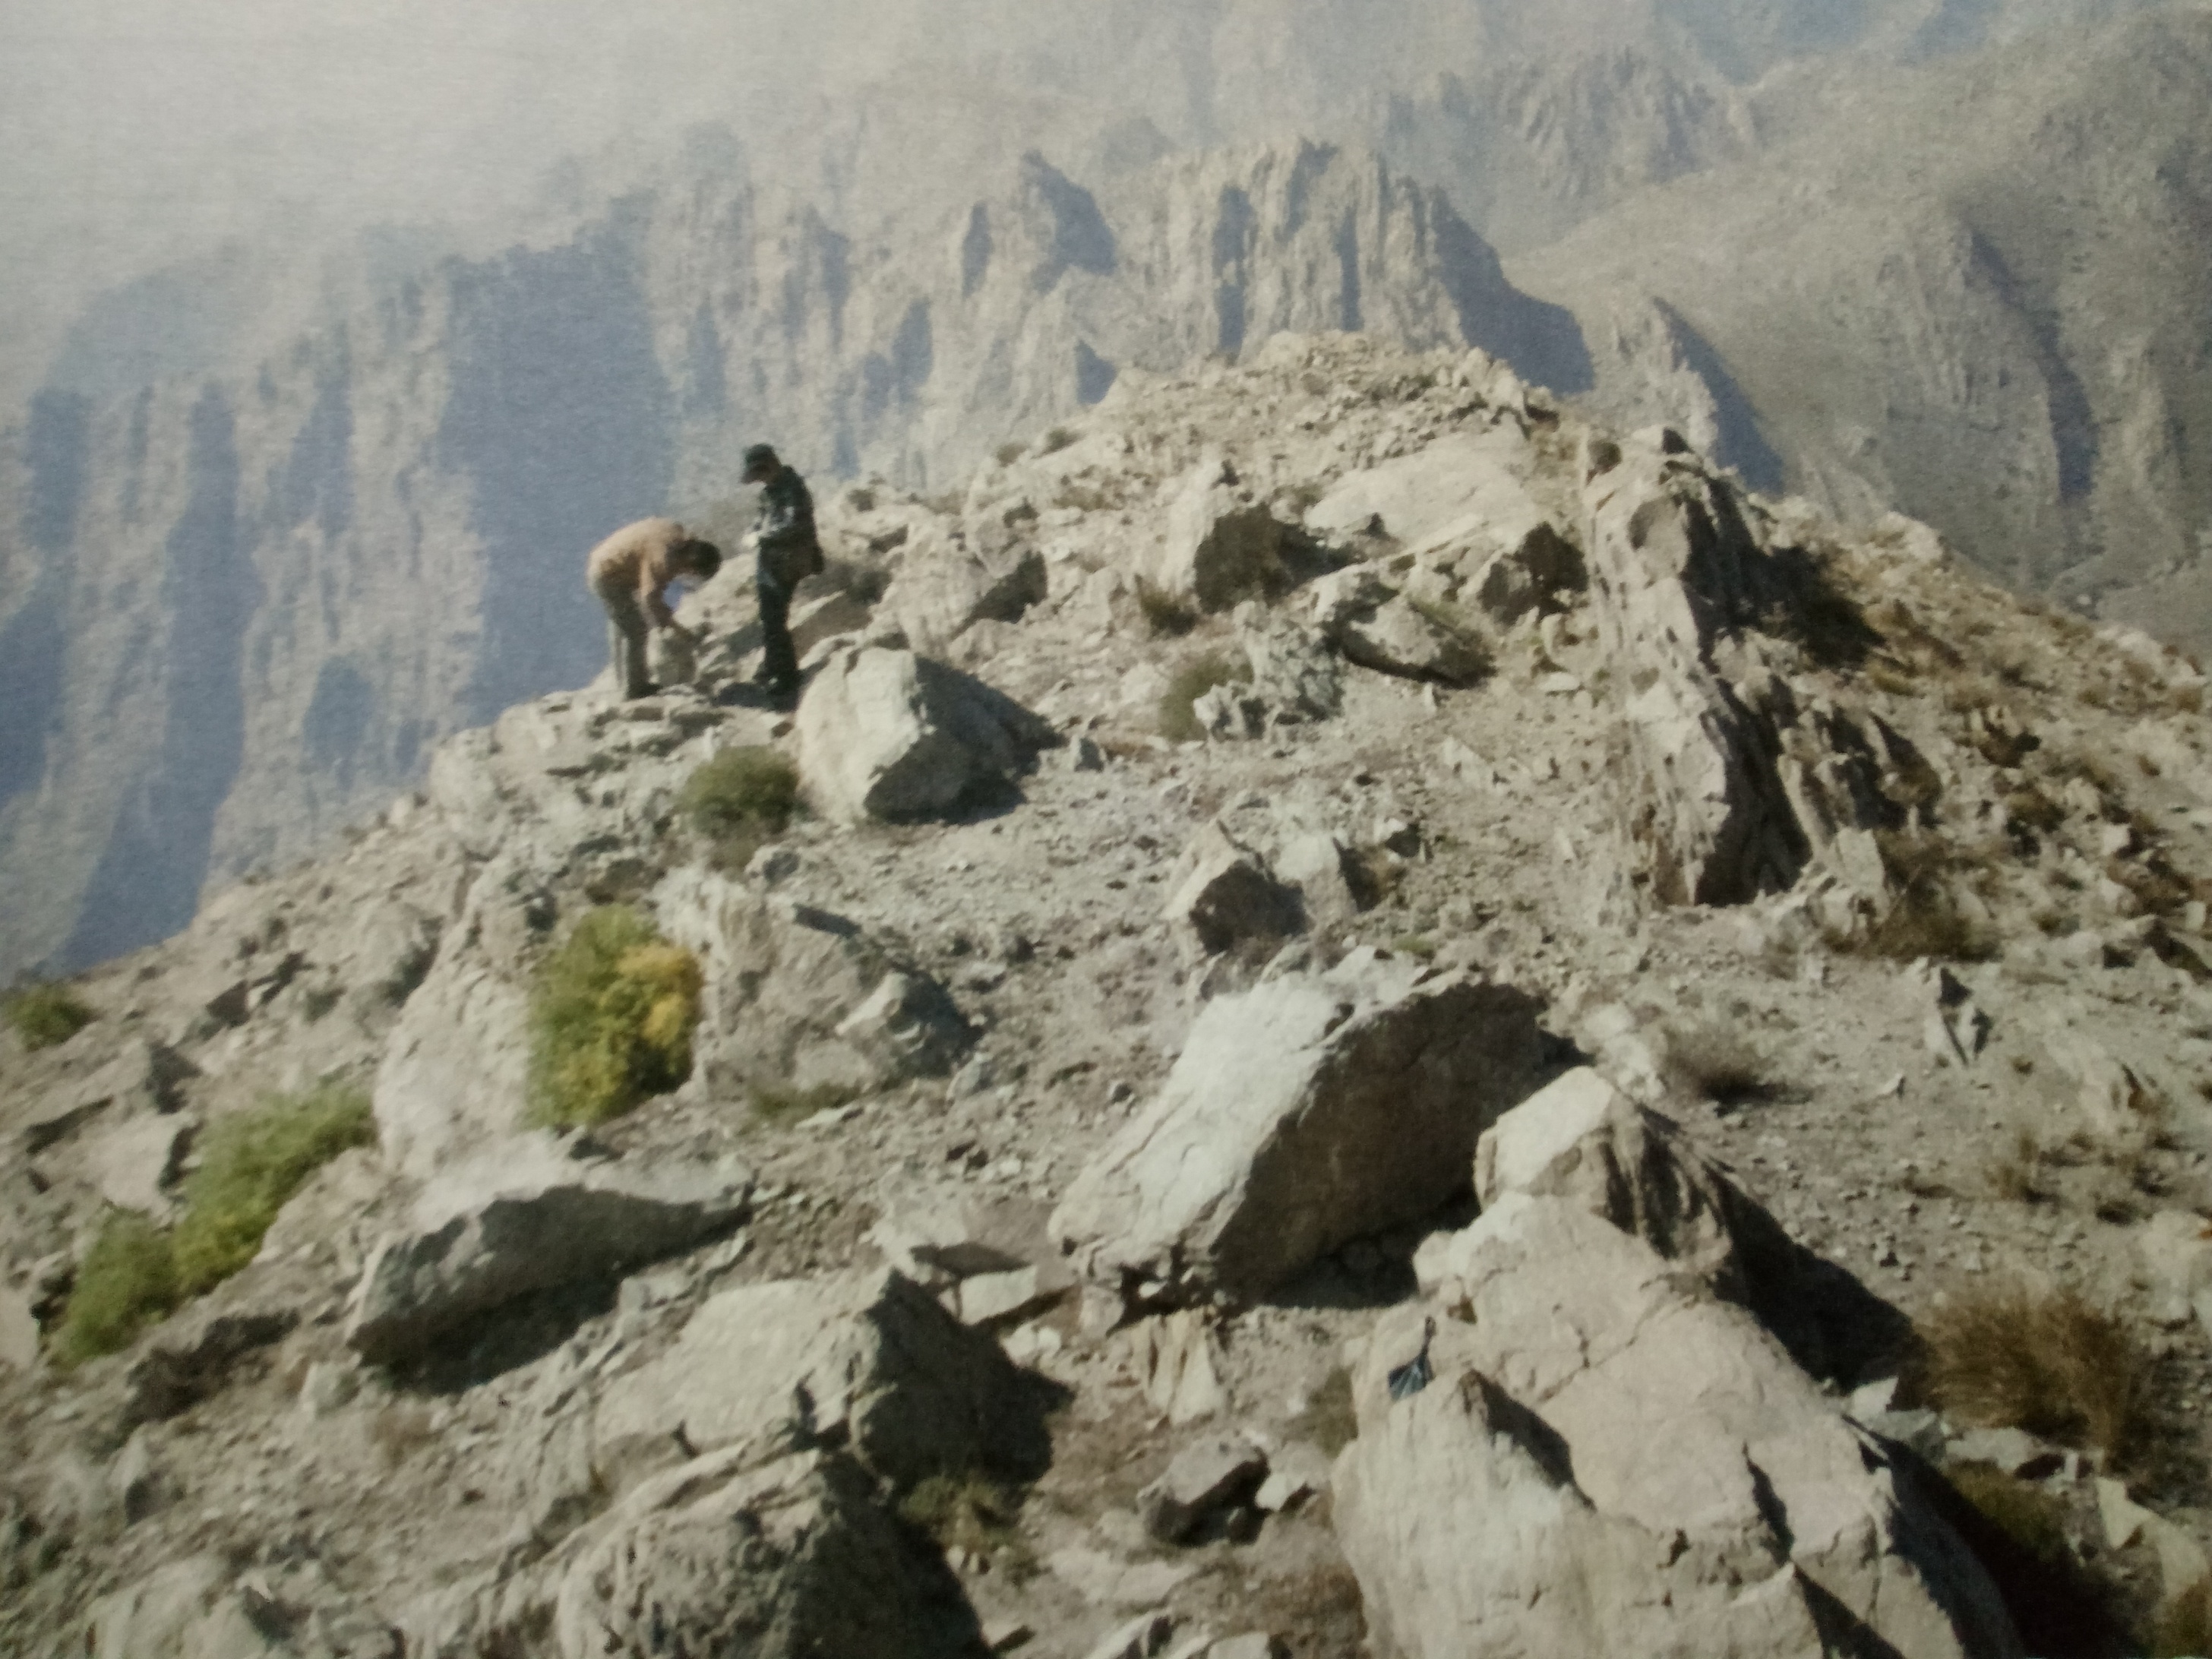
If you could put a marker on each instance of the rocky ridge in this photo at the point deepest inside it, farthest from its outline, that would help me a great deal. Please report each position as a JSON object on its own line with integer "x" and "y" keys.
{"x": 1519, "y": 1068}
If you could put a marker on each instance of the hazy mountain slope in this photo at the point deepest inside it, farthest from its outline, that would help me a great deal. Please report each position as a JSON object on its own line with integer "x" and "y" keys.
{"x": 238, "y": 606}
{"x": 1976, "y": 290}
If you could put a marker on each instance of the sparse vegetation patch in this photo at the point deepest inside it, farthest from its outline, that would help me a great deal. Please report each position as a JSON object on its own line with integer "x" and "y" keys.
{"x": 1167, "y": 616}
{"x": 128, "y": 1282}
{"x": 739, "y": 800}
{"x": 1193, "y": 681}
{"x": 611, "y": 1014}
{"x": 45, "y": 1015}
{"x": 251, "y": 1164}
{"x": 2016, "y": 1356}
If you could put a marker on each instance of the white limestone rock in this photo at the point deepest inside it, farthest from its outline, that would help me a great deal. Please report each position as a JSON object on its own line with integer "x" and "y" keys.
{"x": 1305, "y": 1113}
{"x": 886, "y": 734}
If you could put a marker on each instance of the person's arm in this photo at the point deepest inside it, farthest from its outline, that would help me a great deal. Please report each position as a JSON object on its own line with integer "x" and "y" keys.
{"x": 653, "y": 576}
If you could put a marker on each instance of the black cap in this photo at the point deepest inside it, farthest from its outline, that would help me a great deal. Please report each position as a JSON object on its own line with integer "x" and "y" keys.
{"x": 759, "y": 458}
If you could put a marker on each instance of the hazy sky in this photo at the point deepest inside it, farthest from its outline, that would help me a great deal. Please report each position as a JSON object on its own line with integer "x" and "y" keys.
{"x": 131, "y": 130}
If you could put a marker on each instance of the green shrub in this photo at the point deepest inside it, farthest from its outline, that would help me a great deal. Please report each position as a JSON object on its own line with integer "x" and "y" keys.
{"x": 44, "y": 1015}
{"x": 739, "y": 800}
{"x": 968, "y": 1511}
{"x": 128, "y": 1281}
{"x": 610, "y": 1020}
{"x": 251, "y": 1163}
{"x": 1191, "y": 682}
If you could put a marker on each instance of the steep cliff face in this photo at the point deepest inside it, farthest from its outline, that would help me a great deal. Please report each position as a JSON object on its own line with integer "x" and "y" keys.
{"x": 1976, "y": 291}
{"x": 243, "y": 604}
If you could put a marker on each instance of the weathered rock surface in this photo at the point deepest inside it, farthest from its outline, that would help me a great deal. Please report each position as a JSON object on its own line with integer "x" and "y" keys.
{"x": 1224, "y": 894}
{"x": 943, "y": 590}
{"x": 525, "y": 1218}
{"x": 1205, "y": 1477}
{"x": 455, "y": 1072}
{"x": 1606, "y": 1461}
{"x": 797, "y": 996}
{"x": 886, "y": 734}
{"x": 1735, "y": 787}
{"x": 866, "y": 1361}
{"x": 191, "y": 1356}
{"x": 823, "y": 1569}
{"x": 1302, "y": 1114}
{"x": 1378, "y": 628}
{"x": 1219, "y": 547}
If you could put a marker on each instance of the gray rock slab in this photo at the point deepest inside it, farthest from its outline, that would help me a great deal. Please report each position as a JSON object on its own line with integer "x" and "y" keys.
{"x": 1303, "y": 1114}
{"x": 865, "y": 1360}
{"x": 1212, "y": 1474}
{"x": 528, "y": 1218}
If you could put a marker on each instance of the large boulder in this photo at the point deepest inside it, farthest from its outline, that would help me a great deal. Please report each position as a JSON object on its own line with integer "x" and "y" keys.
{"x": 1379, "y": 628}
{"x": 1221, "y": 546}
{"x": 1604, "y": 1458}
{"x": 1735, "y": 783}
{"x": 786, "y": 1561}
{"x": 886, "y": 734}
{"x": 456, "y": 1069}
{"x": 796, "y": 996}
{"x": 942, "y": 589}
{"x": 1464, "y": 489}
{"x": 524, "y": 1218}
{"x": 866, "y": 1361}
{"x": 1303, "y": 1114}
{"x": 1581, "y": 1140}
{"x": 1221, "y": 892}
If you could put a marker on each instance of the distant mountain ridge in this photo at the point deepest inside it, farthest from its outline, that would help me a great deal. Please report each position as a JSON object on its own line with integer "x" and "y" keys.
{"x": 243, "y": 604}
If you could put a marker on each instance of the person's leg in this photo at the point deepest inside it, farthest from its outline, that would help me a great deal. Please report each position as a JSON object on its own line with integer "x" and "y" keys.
{"x": 626, "y": 635}
{"x": 779, "y": 660}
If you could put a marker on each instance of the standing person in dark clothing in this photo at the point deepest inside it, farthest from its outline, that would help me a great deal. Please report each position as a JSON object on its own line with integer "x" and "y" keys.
{"x": 786, "y": 552}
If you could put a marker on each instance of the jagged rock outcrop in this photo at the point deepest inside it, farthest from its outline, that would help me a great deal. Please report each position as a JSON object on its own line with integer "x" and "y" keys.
{"x": 1305, "y": 1113}
{"x": 1603, "y": 1458}
{"x": 524, "y": 1218}
{"x": 888, "y": 735}
{"x": 797, "y": 996}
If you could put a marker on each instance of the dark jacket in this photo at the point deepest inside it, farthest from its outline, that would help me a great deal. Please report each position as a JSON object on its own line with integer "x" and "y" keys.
{"x": 789, "y": 551}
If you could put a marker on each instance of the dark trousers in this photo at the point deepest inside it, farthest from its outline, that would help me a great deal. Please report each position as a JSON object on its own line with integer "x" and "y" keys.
{"x": 778, "y": 660}
{"x": 626, "y": 641}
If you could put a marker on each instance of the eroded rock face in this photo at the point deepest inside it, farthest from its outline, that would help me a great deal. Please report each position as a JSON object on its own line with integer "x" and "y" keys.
{"x": 1734, "y": 787}
{"x": 1609, "y": 1459}
{"x": 1305, "y": 1113}
{"x": 797, "y": 996}
{"x": 525, "y": 1218}
{"x": 868, "y": 1361}
{"x": 886, "y": 734}
{"x": 823, "y": 1569}
{"x": 1224, "y": 894}
{"x": 1220, "y": 547}
{"x": 1377, "y": 627}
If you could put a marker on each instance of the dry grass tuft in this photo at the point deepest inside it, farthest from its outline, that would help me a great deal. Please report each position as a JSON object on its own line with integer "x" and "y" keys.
{"x": 2032, "y": 1518}
{"x": 2013, "y": 1356}
{"x": 2183, "y": 1626}
{"x": 1329, "y": 1420}
{"x": 1177, "y": 722}
{"x": 1709, "y": 1062}
{"x": 1167, "y": 615}
{"x": 2016, "y": 1173}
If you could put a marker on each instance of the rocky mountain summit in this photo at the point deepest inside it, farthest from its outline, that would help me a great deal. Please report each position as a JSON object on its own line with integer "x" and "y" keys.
{"x": 1386, "y": 1021}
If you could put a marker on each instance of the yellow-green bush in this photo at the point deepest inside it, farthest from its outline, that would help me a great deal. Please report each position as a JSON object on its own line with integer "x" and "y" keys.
{"x": 251, "y": 1163}
{"x": 610, "y": 1020}
{"x": 740, "y": 799}
{"x": 44, "y": 1015}
{"x": 128, "y": 1281}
